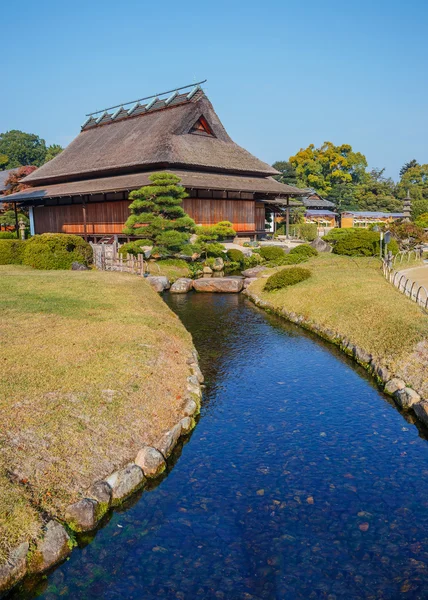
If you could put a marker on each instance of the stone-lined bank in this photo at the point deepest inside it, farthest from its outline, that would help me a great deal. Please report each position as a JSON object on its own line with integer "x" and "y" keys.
{"x": 85, "y": 514}
{"x": 404, "y": 395}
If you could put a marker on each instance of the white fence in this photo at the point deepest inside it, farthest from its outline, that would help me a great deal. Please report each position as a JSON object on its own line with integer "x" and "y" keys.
{"x": 410, "y": 288}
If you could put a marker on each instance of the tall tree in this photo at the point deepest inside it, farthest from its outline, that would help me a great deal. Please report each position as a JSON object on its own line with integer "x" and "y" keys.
{"x": 3, "y": 161}
{"x": 409, "y": 165}
{"x": 288, "y": 172}
{"x": 415, "y": 180}
{"x": 157, "y": 214}
{"x": 14, "y": 184}
{"x": 323, "y": 168}
{"x": 377, "y": 193}
{"x": 52, "y": 151}
{"x": 22, "y": 148}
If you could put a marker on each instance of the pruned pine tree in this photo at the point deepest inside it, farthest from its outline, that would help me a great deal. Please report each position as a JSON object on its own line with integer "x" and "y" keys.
{"x": 157, "y": 214}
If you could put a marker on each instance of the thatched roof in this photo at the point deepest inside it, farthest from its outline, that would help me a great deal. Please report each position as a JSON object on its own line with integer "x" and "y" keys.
{"x": 158, "y": 138}
{"x": 132, "y": 181}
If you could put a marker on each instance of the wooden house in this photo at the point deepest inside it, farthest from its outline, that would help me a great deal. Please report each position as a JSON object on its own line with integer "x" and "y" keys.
{"x": 365, "y": 219}
{"x": 84, "y": 190}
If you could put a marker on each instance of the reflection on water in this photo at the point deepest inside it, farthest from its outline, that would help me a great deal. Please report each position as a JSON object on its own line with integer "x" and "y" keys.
{"x": 300, "y": 481}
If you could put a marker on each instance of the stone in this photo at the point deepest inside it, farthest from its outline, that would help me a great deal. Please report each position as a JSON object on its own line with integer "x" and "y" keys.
{"x": 52, "y": 549}
{"x": 187, "y": 424}
{"x": 207, "y": 270}
{"x": 320, "y": 245}
{"x": 254, "y": 271}
{"x": 382, "y": 373}
{"x": 101, "y": 492}
{"x": 181, "y": 286}
{"x": 406, "y": 397}
{"x": 225, "y": 285}
{"x": 190, "y": 408}
{"x": 159, "y": 283}
{"x": 196, "y": 372}
{"x": 82, "y": 515}
{"x": 362, "y": 356}
{"x": 248, "y": 281}
{"x": 150, "y": 461}
{"x": 77, "y": 266}
{"x": 169, "y": 440}
{"x": 15, "y": 568}
{"x": 421, "y": 410}
{"x": 394, "y": 385}
{"x": 218, "y": 264}
{"x": 124, "y": 482}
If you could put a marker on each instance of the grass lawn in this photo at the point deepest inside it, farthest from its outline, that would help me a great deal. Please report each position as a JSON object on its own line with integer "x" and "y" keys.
{"x": 351, "y": 296}
{"x": 93, "y": 367}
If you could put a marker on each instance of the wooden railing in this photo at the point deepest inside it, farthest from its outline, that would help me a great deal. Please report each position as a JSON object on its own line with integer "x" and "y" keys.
{"x": 108, "y": 258}
{"x": 407, "y": 286}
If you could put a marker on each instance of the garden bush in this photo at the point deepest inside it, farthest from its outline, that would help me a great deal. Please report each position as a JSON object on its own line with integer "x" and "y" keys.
{"x": 134, "y": 247}
{"x": 288, "y": 259}
{"x": 236, "y": 256}
{"x": 286, "y": 277}
{"x": 215, "y": 249}
{"x": 271, "y": 252}
{"x": 338, "y": 233}
{"x": 304, "y": 250}
{"x": 361, "y": 242}
{"x": 56, "y": 251}
{"x": 8, "y": 235}
{"x": 305, "y": 231}
{"x": 11, "y": 252}
{"x": 254, "y": 260}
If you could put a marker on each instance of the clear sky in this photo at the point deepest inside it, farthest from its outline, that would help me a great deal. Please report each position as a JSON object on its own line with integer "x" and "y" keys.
{"x": 281, "y": 74}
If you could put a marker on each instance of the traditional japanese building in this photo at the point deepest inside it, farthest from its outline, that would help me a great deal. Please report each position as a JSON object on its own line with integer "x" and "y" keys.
{"x": 85, "y": 189}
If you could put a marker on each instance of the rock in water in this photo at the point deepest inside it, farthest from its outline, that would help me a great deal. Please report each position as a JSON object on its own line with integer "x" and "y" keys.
{"x": 181, "y": 286}
{"x": 151, "y": 461}
{"x": 159, "y": 283}
{"x": 124, "y": 482}
{"x": 82, "y": 515}
{"x": 14, "y": 568}
{"x": 320, "y": 245}
{"x": 254, "y": 271}
{"x": 226, "y": 285}
{"x": 52, "y": 549}
{"x": 248, "y": 281}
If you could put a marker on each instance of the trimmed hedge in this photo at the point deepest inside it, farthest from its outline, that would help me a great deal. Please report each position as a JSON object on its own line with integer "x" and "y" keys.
{"x": 271, "y": 252}
{"x": 236, "y": 256}
{"x": 288, "y": 259}
{"x": 8, "y": 235}
{"x": 56, "y": 251}
{"x": 304, "y": 250}
{"x": 361, "y": 242}
{"x": 11, "y": 252}
{"x": 286, "y": 277}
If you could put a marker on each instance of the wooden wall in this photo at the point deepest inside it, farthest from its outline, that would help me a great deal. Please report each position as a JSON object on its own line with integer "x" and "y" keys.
{"x": 109, "y": 217}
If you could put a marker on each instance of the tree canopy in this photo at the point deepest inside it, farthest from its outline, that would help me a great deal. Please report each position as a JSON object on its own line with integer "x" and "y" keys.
{"x": 52, "y": 151}
{"x": 22, "y": 148}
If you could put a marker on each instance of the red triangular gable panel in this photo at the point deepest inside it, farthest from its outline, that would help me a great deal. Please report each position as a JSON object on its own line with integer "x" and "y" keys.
{"x": 201, "y": 126}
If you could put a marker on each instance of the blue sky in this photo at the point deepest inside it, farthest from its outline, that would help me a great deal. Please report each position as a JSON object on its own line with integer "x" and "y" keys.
{"x": 281, "y": 74}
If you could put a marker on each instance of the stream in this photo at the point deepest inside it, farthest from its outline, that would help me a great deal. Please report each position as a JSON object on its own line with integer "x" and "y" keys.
{"x": 301, "y": 480}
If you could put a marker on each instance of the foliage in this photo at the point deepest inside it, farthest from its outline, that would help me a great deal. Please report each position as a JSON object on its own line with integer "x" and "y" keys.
{"x": 134, "y": 247}
{"x": 408, "y": 235}
{"x": 323, "y": 168}
{"x": 286, "y": 277}
{"x": 52, "y": 151}
{"x": 306, "y": 231}
{"x": 8, "y": 235}
{"x": 3, "y": 161}
{"x": 195, "y": 269}
{"x": 344, "y": 196}
{"x": 56, "y": 251}
{"x": 271, "y": 252}
{"x": 361, "y": 242}
{"x": 253, "y": 261}
{"x": 156, "y": 214}
{"x": 415, "y": 181}
{"x": 422, "y": 220}
{"x": 304, "y": 250}
{"x": 219, "y": 231}
{"x": 338, "y": 233}
{"x": 287, "y": 171}
{"x": 377, "y": 193}
{"x": 410, "y": 165}
{"x": 236, "y": 256}
{"x": 215, "y": 249}
{"x": 288, "y": 259}
{"x": 13, "y": 182}
{"x": 22, "y": 148}
{"x": 7, "y": 219}
{"x": 11, "y": 251}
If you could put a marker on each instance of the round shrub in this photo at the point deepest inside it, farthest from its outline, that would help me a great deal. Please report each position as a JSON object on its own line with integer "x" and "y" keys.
{"x": 304, "y": 250}
{"x": 56, "y": 251}
{"x": 134, "y": 247}
{"x": 236, "y": 256}
{"x": 361, "y": 242}
{"x": 11, "y": 252}
{"x": 286, "y": 277}
{"x": 215, "y": 249}
{"x": 271, "y": 252}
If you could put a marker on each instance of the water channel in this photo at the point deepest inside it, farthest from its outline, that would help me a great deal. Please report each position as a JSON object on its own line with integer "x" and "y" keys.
{"x": 300, "y": 480}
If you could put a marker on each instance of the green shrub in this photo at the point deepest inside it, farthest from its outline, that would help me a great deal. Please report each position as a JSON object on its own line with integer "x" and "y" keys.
{"x": 305, "y": 231}
{"x": 236, "y": 256}
{"x": 11, "y": 252}
{"x": 338, "y": 233}
{"x": 134, "y": 247}
{"x": 8, "y": 235}
{"x": 304, "y": 250}
{"x": 56, "y": 251}
{"x": 271, "y": 252}
{"x": 288, "y": 259}
{"x": 361, "y": 242}
{"x": 191, "y": 249}
{"x": 219, "y": 231}
{"x": 254, "y": 260}
{"x": 286, "y": 277}
{"x": 215, "y": 249}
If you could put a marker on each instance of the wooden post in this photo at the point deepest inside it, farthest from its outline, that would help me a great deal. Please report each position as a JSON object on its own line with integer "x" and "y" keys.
{"x": 287, "y": 219}
{"x": 85, "y": 226}
{"x": 16, "y": 220}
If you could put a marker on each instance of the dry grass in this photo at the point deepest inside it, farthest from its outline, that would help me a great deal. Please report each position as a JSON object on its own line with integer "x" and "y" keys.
{"x": 173, "y": 268}
{"x": 93, "y": 367}
{"x": 350, "y": 296}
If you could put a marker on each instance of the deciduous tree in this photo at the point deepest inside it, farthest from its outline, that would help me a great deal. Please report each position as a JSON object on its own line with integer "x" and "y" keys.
{"x": 52, "y": 151}
{"x": 22, "y": 148}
